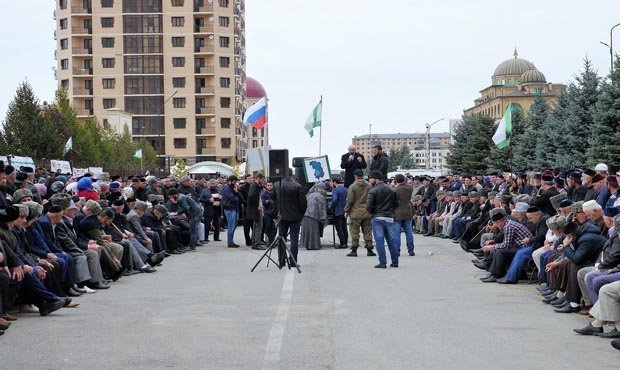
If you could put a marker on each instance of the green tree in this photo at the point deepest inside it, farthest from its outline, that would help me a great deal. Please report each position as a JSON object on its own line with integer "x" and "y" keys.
{"x": 26, "y": 130}
{"x": 473, "y": 144}
{"x": 605, "y": 135}
{"x": 525, "y": 152}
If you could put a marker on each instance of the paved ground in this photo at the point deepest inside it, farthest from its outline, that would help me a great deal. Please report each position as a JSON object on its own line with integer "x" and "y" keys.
{"x": 207, "y": 311}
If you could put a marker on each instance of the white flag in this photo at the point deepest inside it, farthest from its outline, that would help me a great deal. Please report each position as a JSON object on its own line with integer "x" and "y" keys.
{"x": 138, "y": 154}
{"x": 68, "y": 146}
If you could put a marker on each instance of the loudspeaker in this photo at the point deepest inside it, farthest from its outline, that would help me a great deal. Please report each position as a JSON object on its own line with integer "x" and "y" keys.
{"x": 298, "y": 162}
{"x": 278, "y": 163}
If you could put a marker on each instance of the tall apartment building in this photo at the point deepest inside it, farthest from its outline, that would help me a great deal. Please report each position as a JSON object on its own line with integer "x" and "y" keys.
{"x": 439, "y": 147}
{"x": 176, "y": 66}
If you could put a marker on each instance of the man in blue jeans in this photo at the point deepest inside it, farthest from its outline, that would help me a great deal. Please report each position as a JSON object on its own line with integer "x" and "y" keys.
{"x": 381, "y": 203}
{"x": 537, "y": 224}
{"x": 403, "y": 213}
{"x": 231, "y": 206}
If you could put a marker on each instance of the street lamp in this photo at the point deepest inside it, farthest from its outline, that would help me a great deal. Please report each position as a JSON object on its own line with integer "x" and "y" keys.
{"x": 611, "y": 46}
{"x": 159, "y": 117}
{"x": 428, "y": 142}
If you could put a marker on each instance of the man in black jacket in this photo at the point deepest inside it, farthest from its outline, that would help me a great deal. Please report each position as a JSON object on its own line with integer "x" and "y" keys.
{"x": 289, "y": 204}
{"x": 244, "y": 189}
{"x": 254, "y": 211}
{"x": 381, "y": 203}
{"x": 547, "y": 190}
{"x": 350, "y": 162}
{"x": 380, "y": 161}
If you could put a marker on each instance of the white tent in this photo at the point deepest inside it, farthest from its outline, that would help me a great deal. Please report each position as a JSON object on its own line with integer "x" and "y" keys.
{"x": 210, "y": 168}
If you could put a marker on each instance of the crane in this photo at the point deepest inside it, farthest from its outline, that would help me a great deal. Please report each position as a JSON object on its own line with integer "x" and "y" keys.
{"x": 428, "y": 142}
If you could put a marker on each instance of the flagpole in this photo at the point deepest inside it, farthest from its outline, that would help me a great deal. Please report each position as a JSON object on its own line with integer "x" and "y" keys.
{"x": 321, "y": 127}
{"x": 511, "y": 136}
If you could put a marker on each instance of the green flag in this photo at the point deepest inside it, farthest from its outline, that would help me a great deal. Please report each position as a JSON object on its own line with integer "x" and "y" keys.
{"x": 504, "y": 129}
{"x": 314, "y": 120}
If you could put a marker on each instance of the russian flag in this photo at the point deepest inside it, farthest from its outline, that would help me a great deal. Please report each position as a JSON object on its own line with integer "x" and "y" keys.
{"x": 256, "y": 115}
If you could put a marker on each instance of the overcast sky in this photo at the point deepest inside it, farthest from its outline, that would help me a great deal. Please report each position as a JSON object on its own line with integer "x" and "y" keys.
{"x": 396, "y": 64}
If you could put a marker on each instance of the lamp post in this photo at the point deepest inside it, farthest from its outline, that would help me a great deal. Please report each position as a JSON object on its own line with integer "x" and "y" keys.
{"x": 428, "y": 142}
{"x": 611, "y": 47}
{"x": 159, "y": 117}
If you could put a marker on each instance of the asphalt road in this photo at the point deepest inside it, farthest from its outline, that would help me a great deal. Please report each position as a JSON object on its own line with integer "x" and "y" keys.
{"x": 206, "y": 310}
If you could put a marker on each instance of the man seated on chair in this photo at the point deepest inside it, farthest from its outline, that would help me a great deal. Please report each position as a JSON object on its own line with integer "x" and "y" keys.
{"x": 537, "y": 224}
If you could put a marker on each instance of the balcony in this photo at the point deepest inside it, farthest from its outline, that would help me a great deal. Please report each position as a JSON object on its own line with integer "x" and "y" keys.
{"x": 204, "y": 8}
{"x": 204, "y": 29}
{"x": 209, "y": 111}
{"x": 81, "y": 31}
{"x": 207, "y": 70}
{"x": 206, "y": 90}
{"x": 82, "y": 91}
{"x": 82, "y": 71}
{"x": 206, "y": 49}
{"x": 81, "y": 10}
{"x": 209, "y": 150}
{"x": 82, "y": 51}
{"x": 84, "y": 112}
{"x": 209, "y": 130}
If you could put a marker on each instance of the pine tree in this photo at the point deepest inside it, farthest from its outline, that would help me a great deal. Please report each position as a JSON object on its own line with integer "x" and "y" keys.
{"x": 525, "y": 154}
{"x": 472, "y": 145}
{"x": 565, "y": 135}
{"x": 499, "y": 159}
{"x": 606, "y": 121}
{"x": 26, "y": 131}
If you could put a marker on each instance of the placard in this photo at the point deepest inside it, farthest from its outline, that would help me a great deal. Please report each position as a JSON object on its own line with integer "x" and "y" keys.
{"x": 79, "y": 172}
{"x": 95, "y": 171}
{"x": 317, "y": 169}
{"x": 63, "y": 166}
{"x": 18, "y": 162}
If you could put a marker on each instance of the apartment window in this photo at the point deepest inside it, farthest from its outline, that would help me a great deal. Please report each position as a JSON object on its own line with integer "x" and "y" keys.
{"x": 144, "y": 105}
{"x": 138, "y": 64}
{"x": 64, "y": 23}
{"x": 224, "y": 62}
{"x": 224, "y": 41}
{"x": 178, "y": 21}
{"x": 64, "y": 84}
{"x": 143, "y": 44}
{"x": 64, "y": 44}
{"x": 225, "y": 102}
{"x": 178, "y": 61}
{"x": 225, "y": 141}
{"x": 225, "y": 122}
{"x": 107, "y": 62}
{"x": 224, "y": 21}
{"x": 177, "y": 2}
{"x": 224, "y": 3}
{"x": 107, "y": 42}
{"x": 64, "y": 64}
{"x": 62, "y": 4}
{"x": 142, "y": 6}
{"x": 107, "y": 3}
{"x": 224, "y": 82}
{"x": 180, "y": 143}
{"x": 178, "y": 42}
{"x": 88, "y": 104}
{"x": 109, "y": 103}
{"x": 107, "y": 22}
{"x": 254, "y": 143}
{"x": 178, "y": 82}
{"x": 179, "y": 122}
{"x": 178, "y": 102}
{"x": 109, "y": 83}
{"x": 142, "y": 23}
{"x": 137, "y": 85}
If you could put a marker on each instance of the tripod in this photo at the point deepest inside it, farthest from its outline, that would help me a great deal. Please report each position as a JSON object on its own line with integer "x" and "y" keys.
{"x": 284, "y": 255}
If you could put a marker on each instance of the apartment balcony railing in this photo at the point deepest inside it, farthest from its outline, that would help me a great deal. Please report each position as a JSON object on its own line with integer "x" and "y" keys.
{"x": 206, "y": 70}
{"x": 210, "y": 90}
{"x": 81, "y": 31}
{"x": 82, "y": 91}
{"x": 82, "y": 71}
{"x": 205, "y": 110}
{"x": 84, "y": 112}
{"x": 82, "y": 51}
{"x": 78, "y": 9}
{"x": 204, "y": 8}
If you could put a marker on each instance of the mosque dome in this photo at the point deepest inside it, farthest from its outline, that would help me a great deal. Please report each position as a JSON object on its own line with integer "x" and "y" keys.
{"x": 254, "y": 89}
{"x": 513, "y": 67}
